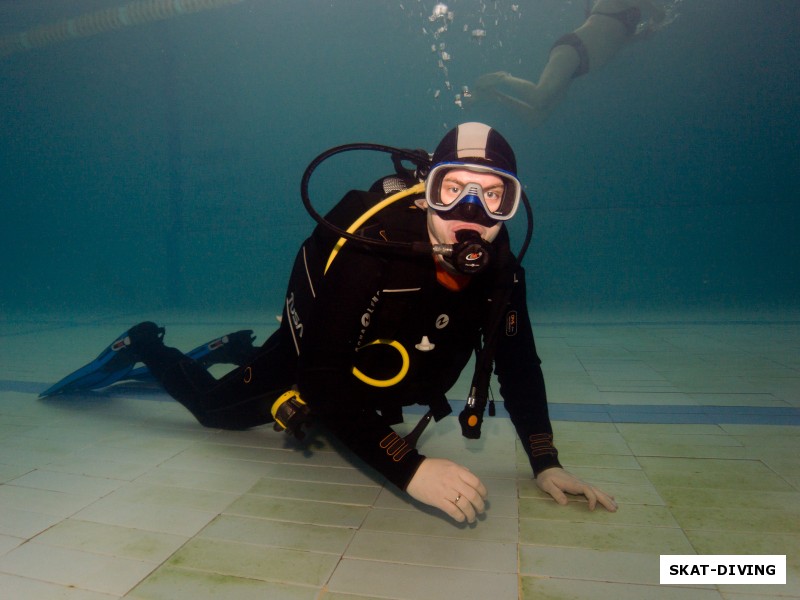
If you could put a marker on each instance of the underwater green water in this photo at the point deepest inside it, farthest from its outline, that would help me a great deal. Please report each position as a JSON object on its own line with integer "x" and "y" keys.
{"x": 159, "y": 165}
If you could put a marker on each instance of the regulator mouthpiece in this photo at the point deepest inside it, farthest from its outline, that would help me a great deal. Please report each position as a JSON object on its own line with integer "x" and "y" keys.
{"x": 471, "y": 253}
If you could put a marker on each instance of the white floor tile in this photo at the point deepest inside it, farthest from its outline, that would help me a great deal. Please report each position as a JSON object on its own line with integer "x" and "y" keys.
{"x": 73, "y": 568}
{"x": 22, "y": 588}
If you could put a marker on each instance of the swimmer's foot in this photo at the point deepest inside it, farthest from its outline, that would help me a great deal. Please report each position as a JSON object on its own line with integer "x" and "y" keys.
{"x": 488, "y": 80}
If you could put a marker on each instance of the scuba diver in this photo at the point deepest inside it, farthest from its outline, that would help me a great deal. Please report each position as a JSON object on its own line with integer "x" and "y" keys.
{"x": 387, "y": 300}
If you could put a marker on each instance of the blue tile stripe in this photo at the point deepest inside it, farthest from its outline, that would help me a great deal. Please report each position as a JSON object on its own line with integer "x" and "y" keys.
{"x": 595, "y": 413}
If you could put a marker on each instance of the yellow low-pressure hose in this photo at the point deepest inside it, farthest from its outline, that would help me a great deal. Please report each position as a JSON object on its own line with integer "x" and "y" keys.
{"x": 416, "y": 189}
{"x": 101, "y": 21}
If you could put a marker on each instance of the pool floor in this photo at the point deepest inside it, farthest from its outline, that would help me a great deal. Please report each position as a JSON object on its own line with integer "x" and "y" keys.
{"x": 692, "y": 424}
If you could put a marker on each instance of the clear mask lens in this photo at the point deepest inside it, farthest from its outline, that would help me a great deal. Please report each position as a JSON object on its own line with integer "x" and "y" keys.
{"x": 499, "y": 202}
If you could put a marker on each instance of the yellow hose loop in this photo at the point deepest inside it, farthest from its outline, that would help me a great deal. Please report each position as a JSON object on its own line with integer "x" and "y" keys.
{"x": 416, "y": 189}
{"x": 386, "y": 382}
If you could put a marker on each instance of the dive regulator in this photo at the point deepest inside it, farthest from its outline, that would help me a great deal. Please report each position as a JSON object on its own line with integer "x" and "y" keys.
{"x": 471, "y": 254}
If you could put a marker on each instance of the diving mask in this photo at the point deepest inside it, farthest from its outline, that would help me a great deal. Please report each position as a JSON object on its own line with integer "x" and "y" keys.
{"x": 498, "y": 202}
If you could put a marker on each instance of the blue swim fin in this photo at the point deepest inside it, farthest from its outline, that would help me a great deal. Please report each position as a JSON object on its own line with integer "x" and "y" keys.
{"x": 113, "y": 364}
{"x": 235, "y": 348}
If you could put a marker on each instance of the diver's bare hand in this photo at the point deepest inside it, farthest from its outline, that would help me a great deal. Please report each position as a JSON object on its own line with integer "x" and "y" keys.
{"x": 449, "y": 487}
{"x": 557, "y": 482}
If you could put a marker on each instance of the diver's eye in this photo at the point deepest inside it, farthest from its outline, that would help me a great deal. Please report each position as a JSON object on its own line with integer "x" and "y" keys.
{"x": 449, "y": 193}
{"x": 493, "y": 198}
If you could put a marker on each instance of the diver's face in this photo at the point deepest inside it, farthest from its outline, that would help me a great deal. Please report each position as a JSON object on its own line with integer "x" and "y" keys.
{"x": 443, "y": 231}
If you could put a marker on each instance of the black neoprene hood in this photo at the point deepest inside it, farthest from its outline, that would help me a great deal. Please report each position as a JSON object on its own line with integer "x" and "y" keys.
{"x": 476, "y": 142}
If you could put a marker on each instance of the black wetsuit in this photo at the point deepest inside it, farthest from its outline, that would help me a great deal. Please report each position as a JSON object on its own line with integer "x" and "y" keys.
{"x": 329, "y": 325}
